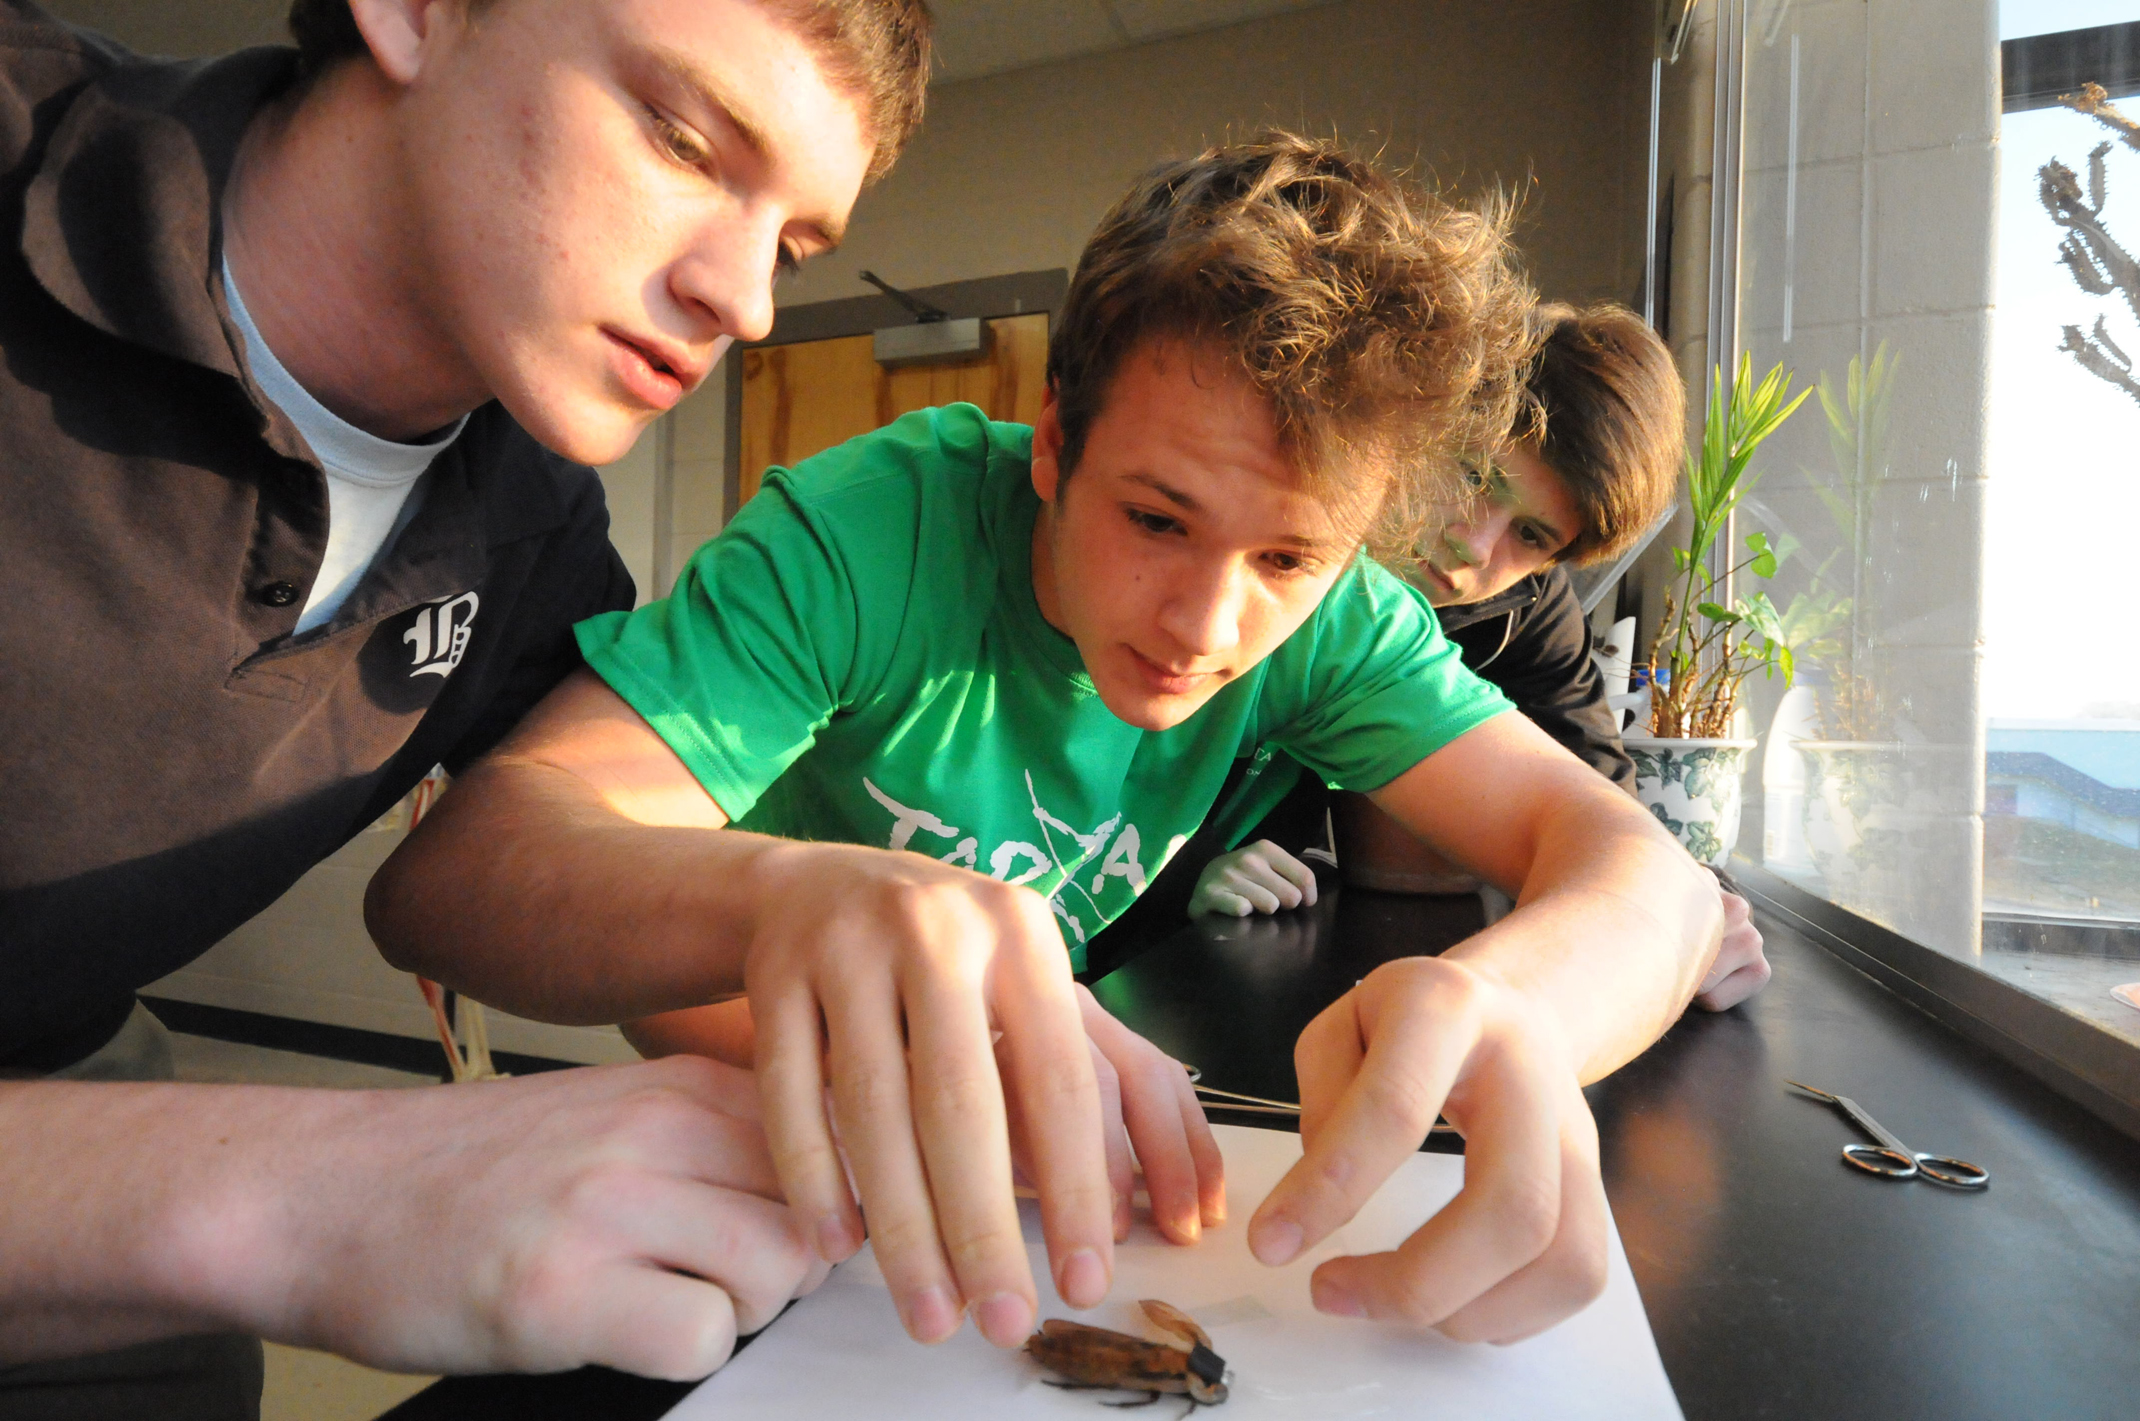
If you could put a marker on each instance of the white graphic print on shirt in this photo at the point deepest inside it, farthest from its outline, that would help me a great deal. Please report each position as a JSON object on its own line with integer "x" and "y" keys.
{"x": 1017, "y": 862}
{"x": 439, "y": 636}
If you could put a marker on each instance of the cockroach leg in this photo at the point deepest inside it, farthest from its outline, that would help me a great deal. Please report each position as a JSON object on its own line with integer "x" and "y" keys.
{"x": 1149, "y": 1398}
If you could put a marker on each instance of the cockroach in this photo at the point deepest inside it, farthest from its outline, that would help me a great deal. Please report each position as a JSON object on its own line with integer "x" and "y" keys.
{"x": 1096, "y": 1359}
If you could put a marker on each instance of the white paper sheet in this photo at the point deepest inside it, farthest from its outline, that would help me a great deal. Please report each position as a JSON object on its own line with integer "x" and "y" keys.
{"x": 841, "y": 1352}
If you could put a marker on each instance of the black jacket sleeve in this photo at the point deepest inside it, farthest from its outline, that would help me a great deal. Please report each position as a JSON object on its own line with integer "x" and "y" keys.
{"x": 1539, "y": 655}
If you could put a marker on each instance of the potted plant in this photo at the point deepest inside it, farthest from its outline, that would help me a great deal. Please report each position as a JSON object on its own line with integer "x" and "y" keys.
{"x": 1688, "y": 768}
{"x": 1852, "y": 791}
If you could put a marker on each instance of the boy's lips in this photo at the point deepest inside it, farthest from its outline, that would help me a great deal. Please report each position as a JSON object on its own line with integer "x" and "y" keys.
{"x": 1439, "y": 578}
{"x": 1163, "y": 680}
{"x": 656, "y": 372}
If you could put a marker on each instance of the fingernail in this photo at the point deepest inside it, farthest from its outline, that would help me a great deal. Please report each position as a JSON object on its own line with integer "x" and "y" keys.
{"x": 1331, "y": 1299}
{"x": 1189, "y": 1228}
{"x": 834, "y": 1242}
{"x": 1004, "y": 1319}
{"x": 1276, "y": 1242}
{"x": 1082, "y": 1280}
{"x": 932, "y": 1314}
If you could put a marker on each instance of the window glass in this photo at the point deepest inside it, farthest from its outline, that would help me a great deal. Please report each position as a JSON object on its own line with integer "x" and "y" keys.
{"x": 1960, "y": 757}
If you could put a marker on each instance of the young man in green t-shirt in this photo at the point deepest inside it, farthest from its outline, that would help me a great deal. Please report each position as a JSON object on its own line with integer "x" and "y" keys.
{"x": 973, "y": 684}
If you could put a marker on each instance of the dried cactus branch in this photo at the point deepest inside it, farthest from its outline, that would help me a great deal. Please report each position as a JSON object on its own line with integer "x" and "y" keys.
{"x": 2094, "y": 101}
{"x": 2099, "y": 262}
{"x": 2100, "y": 356}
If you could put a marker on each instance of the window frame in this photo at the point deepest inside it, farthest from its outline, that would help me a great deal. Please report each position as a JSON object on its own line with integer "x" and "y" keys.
{"x": 2087, "y": 1063}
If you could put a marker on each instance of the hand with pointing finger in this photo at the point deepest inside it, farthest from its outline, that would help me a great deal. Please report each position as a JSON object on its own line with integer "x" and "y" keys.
{"x": 1523, "y": 1246}
{"x": 937, "y": 1005}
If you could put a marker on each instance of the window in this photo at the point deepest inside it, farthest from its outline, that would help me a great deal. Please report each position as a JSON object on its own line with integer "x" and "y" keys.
{"x": 1960, "y": 286}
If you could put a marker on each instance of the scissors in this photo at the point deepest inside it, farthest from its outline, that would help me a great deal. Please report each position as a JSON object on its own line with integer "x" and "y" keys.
{"x": 1892, "y": 1159}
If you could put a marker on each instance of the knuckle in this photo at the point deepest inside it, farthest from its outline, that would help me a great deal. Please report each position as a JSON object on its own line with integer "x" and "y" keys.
{"x": 1527, "y": 1216}
{"x": 1067, "y": 1077}
{"x": 956, "y": 1094}
{"x": 534, "y": 1302}
{"x": 654, "y": 1114}
{"x": 1414, "y": 1297}
{"x": 869, "y": 1091}
{"x": 798, "y": 1162}
{"x": 609, "y": 1189}
{"x": 972, "y": 1250}
{"x": 907, "y": 1235}
{"x": 1400, "y": 1099}
{"x": 1581, "y": 1274}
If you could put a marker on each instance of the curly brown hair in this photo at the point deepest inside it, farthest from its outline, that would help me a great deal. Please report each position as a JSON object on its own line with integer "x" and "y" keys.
{"x": 877, "y": 50}
{"x": 1386, "y": 326}
{"x": 1609, "y": 414}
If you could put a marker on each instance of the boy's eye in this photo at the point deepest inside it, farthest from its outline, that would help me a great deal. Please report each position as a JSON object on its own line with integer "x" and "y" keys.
{"x": 1153, "y": 522}
{"x": 1475, "y": 479}
{"x": 787, "y": 262}
{"x": 675, "y": 142}
{"x": 1289, "y": 564}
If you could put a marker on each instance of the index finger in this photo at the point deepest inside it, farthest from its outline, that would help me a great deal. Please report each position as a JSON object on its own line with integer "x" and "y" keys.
{"x": 1050, "y": 1064}
{"x": 1506, "y": 1215}
{"x": 1363, "y": 1111}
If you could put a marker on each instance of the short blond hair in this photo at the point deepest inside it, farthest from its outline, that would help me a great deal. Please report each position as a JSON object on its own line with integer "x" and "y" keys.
{"x": 877, "y": 50}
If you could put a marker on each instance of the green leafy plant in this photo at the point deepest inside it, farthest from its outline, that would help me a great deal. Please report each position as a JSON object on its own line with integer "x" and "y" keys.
{"x": 1819, "y": 623}
{"x": 1705, "y": 650}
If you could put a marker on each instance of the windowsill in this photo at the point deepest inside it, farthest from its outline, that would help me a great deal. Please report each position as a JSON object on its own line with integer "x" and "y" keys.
{"x": 2090, "y": 1056}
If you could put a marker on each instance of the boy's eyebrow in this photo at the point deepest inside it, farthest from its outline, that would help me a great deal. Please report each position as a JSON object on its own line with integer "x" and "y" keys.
{"x": 1166, "y": 491}
{"x": 1553, "y": 534}
{"x": 709, "y": 92}
{"x": 1187, "y": 504}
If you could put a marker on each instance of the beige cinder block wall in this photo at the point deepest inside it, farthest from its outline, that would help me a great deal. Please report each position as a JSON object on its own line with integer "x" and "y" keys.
{"x": 180, "y": 27}
{"x": 1547, "y": 99}
{"x": 1010, "y": 172}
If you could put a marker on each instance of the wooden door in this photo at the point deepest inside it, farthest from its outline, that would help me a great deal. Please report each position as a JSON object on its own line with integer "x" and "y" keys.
{"x": 802, "y": 398}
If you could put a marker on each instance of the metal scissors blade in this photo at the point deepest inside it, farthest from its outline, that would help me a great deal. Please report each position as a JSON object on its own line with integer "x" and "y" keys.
{"x": 1892, "y": 1159}
{"x": 1261, "y": 1105}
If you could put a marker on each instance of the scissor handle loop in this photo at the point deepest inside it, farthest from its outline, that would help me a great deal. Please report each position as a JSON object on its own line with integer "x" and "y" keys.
{"x": 1954, "y": 1173}
{"x": 1880, "y": 1160}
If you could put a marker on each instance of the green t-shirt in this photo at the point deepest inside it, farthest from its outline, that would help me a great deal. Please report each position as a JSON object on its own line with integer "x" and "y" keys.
{"x": 859, "y": 657}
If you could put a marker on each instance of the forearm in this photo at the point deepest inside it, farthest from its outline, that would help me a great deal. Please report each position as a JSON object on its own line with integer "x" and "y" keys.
{"x": 133, "y": 1212}
{"x": 1614, "y": 930}
{"x": 723, "y": 1032}
{"x": 526, "y": 891}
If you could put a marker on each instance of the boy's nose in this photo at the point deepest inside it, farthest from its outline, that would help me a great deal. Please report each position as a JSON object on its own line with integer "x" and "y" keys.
{"x": 1204, "y": 619}
{"x": 729, "y": 278}
{"x": 1464, "y": 544}
{"x": 1474, "y": 541}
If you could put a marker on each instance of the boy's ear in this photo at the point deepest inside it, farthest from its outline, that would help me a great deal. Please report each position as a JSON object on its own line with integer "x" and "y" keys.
{"x": 402, "y": 33}
{"x": 1048, "y": 449}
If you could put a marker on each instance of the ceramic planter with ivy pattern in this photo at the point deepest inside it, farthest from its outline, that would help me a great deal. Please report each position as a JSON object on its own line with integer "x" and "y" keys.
{"x": 1692, "y": 786}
